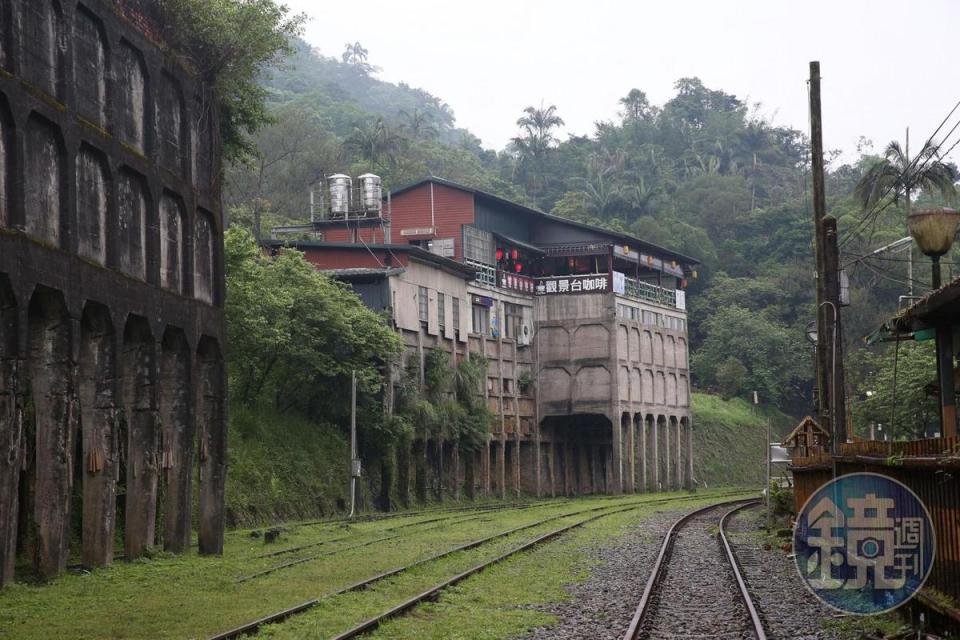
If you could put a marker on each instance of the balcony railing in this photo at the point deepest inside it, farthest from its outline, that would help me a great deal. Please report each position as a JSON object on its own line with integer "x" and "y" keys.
{"x": 648, "y": 292}
{"x": 485, "y": 273}
{"x": 584, "y": 283}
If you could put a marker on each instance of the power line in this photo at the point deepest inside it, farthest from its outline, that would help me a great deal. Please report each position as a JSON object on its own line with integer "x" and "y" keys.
{"x": 873, "y": 213}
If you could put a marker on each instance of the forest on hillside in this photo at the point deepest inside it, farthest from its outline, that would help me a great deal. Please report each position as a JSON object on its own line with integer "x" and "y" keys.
{"x": 703, "y": 173}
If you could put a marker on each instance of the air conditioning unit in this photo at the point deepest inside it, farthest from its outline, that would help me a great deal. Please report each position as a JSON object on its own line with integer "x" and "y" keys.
{"x": 525, "y": 335}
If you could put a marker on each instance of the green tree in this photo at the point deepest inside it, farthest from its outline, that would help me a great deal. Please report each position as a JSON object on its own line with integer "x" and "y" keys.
{"x": 773, "y": 357}
{"x": 906, "y": 405}
{"x": 296, "y": 335}
{"x": 230, "y": 43}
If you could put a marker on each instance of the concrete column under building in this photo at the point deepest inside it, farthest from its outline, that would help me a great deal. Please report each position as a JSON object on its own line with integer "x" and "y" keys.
{"x": 654, "y": 462}
{"x": 640, "y": 452}
{"x": 628, "y": 428}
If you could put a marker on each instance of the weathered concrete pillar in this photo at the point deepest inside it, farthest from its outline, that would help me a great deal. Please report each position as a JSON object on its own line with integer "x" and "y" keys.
{"x": 552, "y": 466}
{"x": 52, "y": 371}
{"x": 667, "y": 457}
{"x": 585, "y": 469}
{"x": 640, "y": 451}
{"x": 631, "y": 453}
{"x": 678, "y": 438}
{"x": 614, "y": 483}
{"x": 179, "y": 435}
{"x": 689, "y": 432}
{"x": 654, "y": 453}
{"x": 11, "y": 430}
{"x": 99, "y": 418}
{"x": 212, "y": 420}
{"x": 502, "y": 463}
{"x": 485, "y": 467}
{"x": 517, "y": 486}
{"x": 143, "y": 436}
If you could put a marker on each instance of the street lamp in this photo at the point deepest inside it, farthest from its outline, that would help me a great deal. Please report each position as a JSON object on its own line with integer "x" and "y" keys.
{"x": 811, "y": 332}
{"x": 934, "y": 231}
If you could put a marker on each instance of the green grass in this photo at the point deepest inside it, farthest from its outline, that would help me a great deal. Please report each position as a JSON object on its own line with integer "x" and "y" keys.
{"x": 193, "y": 597}
{"x": 728, "y": 445}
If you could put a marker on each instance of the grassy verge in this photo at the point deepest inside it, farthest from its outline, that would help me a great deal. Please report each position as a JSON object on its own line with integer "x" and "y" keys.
{"x": 193, "y": 597}
{"x": 283, "y": 467}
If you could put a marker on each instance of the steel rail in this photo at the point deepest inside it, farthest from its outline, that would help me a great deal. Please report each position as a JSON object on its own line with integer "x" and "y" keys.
{"x": 741, "y": 584}
{"x": 659, "y": 566}
{"x": 469, "y": 545}
{"x": 431, "y": 593}
{"x": 253, "y": 626}
{"x": 310, "y": 545}
{"x": 376, "y": 517}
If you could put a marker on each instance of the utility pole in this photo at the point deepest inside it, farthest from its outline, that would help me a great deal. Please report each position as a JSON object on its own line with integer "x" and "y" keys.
{"x": 354, "y": 459}
{"x": 910, "y": 261}
{"x": 829, "y": 335}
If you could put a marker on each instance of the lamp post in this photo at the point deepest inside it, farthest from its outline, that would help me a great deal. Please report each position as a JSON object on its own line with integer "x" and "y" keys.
{"x": 934, "y": 231}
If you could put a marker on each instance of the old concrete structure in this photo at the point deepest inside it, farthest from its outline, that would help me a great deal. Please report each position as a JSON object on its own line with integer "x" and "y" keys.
{"x": 584, "y": 331}
{"x": 112, "y": 384}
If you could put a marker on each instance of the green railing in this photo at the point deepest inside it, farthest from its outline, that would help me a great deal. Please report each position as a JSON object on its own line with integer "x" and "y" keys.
{"x": 649, "y": 292}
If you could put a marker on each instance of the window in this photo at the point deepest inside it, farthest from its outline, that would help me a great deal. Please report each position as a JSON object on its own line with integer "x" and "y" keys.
{"x": 424, "y": 304}
{"x": 478, "y": 245}
{"x": 456, "y": 314}
{"x": 513, "y": 317}
{"x": 442, "y": 247}
{"x": 441, "y": 312}
{"x": 481, "y": 319}
{"x": 507, "y": 385}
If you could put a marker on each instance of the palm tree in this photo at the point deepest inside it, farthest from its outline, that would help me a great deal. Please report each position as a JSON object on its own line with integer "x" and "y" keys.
{"x": 533, "y": 143}
{"x": 418, "y": 124}
{"x": 537, "y": 129}
{"x": 354, "y": 54}
{"x": 896, "y": 175}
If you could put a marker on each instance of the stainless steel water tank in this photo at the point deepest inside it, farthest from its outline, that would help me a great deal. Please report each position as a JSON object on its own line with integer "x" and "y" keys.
{"x": 371, "y": 193}
{"x": 340, "y": 187}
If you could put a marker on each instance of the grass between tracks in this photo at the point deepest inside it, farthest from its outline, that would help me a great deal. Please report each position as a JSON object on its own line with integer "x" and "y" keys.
{"x": 190, "y": 596}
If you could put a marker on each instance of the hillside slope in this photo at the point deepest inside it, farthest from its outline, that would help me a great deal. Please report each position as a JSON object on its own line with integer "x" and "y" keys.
{"x": 728, "y": 440}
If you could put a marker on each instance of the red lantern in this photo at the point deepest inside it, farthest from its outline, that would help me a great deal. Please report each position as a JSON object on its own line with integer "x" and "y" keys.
{"x": 518, "y": 267}
{"x": 514, "y": 254}
{"x": 683, "y": 283}
{"x": 499, "y": 255}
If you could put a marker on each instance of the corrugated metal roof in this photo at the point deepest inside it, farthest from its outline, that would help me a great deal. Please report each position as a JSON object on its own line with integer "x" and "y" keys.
{"x": 633, "y": 240}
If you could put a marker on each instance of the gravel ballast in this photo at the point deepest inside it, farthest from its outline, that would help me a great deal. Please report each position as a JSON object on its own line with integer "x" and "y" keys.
{"x": 696, "y": 593}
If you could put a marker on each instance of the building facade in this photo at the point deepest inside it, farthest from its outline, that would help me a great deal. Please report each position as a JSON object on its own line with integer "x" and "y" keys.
{"x": 112, "y": 383}
{"x": 585, "y": 332}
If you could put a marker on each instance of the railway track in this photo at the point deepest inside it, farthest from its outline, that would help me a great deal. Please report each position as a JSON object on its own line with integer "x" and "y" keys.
{"x": 368, "y": 625}
{"x": 695, "y": 589}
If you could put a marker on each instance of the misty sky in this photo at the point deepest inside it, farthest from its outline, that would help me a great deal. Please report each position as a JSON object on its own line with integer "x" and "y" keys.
{"x": 885, "y": 65}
